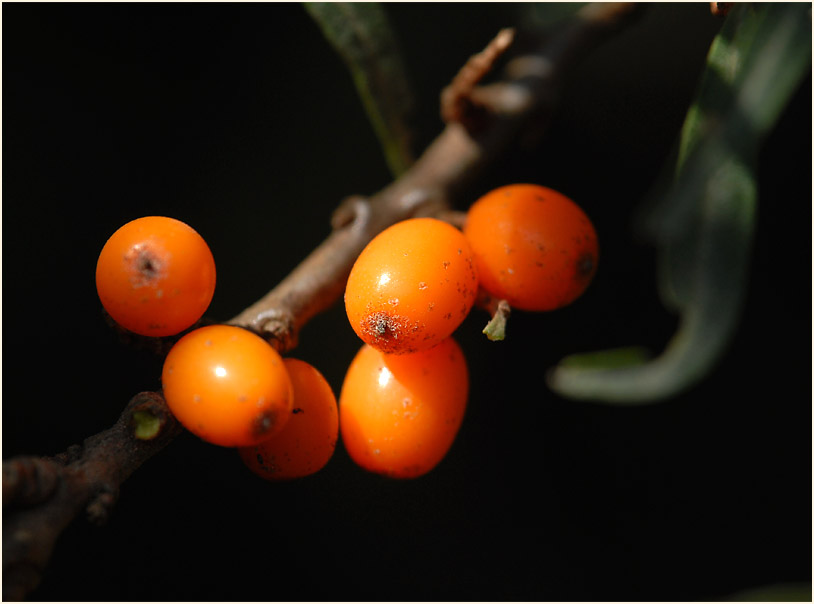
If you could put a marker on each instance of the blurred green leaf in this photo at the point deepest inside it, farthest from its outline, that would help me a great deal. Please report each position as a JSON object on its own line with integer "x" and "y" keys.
{"x": 544, "y": 15}
{"x": 361, "y": 33}
{"x": 627, "y": 356}
{"x": 704, "y": 225}
{"x": 781, "y": 592}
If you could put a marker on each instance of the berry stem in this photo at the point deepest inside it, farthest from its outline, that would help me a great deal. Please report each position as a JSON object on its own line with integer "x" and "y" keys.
{"x": 495, "y": 329}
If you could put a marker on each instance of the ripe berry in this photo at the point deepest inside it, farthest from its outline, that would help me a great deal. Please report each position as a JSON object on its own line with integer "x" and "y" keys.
{"x": 308, "y": 439}
{"x": 227, "y": 386}
{"x": 533, "y": 246}
{"x": 411, "y": 286}
{"x": 399, "y": 414}
{"x": 155, "y": 276}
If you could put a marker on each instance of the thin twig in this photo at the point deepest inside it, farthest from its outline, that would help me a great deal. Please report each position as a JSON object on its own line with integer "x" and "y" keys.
{"x": 457, "y": 102}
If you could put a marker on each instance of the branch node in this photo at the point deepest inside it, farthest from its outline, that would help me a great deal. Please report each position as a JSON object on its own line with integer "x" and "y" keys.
{"x": 277, "y": 327}
{"x": 101, "y": 504}
{"x": 150, "y": 417}
{"x": 29, "y": 480}
{"x": 70, "y": 455}
{"x": 352, "y": 209}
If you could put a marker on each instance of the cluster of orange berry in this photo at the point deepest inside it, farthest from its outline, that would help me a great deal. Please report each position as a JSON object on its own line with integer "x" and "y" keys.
{"x": 404, "y": 395}
{"x": 156, "y": 277}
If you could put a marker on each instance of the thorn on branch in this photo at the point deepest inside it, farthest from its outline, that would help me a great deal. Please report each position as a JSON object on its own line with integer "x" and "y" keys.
{"x": 459, "y": 101}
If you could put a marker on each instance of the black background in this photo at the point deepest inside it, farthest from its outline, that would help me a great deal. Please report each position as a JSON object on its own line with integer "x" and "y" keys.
{"x": 241, "y": 121}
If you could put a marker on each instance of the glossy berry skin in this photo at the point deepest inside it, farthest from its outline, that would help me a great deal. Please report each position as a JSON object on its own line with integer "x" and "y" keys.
{"x": 155, "y": 276}
{"x": 399, "y": 414}
{"x": 227, "y": 386}
{"x": 533, "y": 246}
{"x": 307, "y": 441}
{"x": 411, "y": 286}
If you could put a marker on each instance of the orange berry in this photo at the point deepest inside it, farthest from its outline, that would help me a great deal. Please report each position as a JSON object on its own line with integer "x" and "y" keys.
{"x": 308, "y": 439}
{"x": 412, "y": 286}
{"x": 533, "y": 246}
{"x": 399, "y": 414}
{"x": 227, "y": 386}
{"x": 155, "y": 276}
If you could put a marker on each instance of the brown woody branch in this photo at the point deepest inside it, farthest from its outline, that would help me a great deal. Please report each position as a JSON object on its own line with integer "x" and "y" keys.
{"x": 41, "y": 496}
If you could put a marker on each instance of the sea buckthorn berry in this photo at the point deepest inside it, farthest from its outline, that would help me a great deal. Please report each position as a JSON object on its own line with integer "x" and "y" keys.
{"x": 399, "y": 414}
{"x": 227, "y": 386}
{"x": 308, "y": 439}
{"x": 412, "y": 286}
{"x": 155, "y": 276}
{"x": 533, "y": 246}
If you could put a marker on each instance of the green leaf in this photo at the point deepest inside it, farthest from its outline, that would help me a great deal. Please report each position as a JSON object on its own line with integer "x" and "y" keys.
{"x": 704, "y": 225}
{"x": 361, "y": 34}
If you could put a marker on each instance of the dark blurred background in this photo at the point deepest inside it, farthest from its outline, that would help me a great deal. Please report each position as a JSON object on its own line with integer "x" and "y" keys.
{"x": 240, "y": 120}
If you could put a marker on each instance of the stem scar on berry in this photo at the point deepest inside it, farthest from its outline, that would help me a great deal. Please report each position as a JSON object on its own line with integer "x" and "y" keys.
{"x": 145, "y": 265}
{"x": 386, "y": 329}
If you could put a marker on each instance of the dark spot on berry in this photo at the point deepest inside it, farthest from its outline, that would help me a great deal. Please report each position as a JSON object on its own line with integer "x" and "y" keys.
{"x": 264, "y": 422}
{"x": 298, "y": 410}
{"x": 586, "y": 265}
